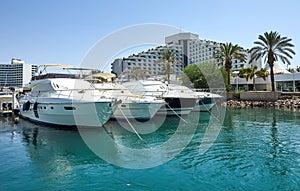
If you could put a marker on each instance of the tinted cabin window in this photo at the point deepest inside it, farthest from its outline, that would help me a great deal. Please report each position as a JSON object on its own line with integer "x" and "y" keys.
{"x": 70, "y": 108}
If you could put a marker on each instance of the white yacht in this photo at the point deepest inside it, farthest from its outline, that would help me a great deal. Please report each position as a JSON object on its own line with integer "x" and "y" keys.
{"x": 132, "y": 106}
{"x": 207, "y": 101}
{"x": 61, "y": 99}
{"x": 180, "y": 100}
{"x": 7, "y": 104}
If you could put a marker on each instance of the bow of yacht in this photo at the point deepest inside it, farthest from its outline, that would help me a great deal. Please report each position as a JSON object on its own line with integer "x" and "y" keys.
{"x": 207, "y": 100}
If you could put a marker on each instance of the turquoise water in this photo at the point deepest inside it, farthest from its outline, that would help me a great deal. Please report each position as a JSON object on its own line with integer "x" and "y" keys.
{"x": 256, "y": 149}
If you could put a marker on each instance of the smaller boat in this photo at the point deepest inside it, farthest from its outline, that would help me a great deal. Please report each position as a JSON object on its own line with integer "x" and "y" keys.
{"x": 207, "y": 101}
{"x": 180, "y": 100}
{"x": 7, "y": 104}
{"x": 133, "y": 106}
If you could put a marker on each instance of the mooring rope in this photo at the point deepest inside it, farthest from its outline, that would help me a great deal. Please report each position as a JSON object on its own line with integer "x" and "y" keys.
{"x": 137, "y": 134}
{"x": 176, "y": 113}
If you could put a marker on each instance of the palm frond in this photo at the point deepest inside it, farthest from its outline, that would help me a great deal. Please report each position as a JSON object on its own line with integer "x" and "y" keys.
{"x": 272, "y": 43}
{"x": 262, "y": 44}
{"x": 285, "y": 53}
{"x": 291, "y": 51}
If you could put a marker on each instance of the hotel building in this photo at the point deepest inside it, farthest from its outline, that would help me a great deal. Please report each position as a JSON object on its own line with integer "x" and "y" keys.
{"x": 150, "y": 60}
{"x": 16, "y": 74}
{"x": 189, "y": 50}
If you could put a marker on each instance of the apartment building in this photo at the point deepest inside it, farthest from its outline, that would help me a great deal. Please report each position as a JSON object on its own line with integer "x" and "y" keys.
{"x": 17, "y": 73}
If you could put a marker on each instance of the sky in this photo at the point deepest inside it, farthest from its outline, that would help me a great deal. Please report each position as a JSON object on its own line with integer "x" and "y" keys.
{"x": 64, "y": 31}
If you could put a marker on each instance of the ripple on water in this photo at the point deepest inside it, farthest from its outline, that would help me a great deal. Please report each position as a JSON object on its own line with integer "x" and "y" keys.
{"x": 256, "y": 149}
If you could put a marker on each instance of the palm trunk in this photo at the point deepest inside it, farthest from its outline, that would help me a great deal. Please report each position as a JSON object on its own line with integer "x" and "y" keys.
{"x": 168, "y": 72}
{"x": 271, "y": 64}
{"x": 272, "y": 77}
{"x": 228, "y": 77}
{"x": 228, "y": 67}
{"x": 254, "y": 88}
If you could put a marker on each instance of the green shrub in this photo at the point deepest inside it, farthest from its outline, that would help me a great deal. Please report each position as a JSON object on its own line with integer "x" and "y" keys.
{"x": 236, "y": 93}
{"x": 229, "y": 88}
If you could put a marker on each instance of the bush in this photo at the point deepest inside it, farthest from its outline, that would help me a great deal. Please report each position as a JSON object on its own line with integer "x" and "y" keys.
{"x": 229, "y": 88}
{"x": 236, "y": 93}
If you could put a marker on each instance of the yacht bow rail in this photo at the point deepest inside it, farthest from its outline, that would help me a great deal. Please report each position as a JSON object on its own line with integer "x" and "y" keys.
{"x": 83, "y": 94}
{"x": 219, "y": 91}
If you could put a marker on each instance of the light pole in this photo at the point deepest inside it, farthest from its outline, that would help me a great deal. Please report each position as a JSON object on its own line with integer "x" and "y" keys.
{"x": 236, "y": 79}
{"x": 294, "y": 88}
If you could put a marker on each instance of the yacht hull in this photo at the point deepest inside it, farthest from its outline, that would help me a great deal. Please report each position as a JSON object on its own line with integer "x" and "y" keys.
{"x": 178, "y": 106}
{"x": 142, "y": 111}
{"x": 203, "y": 107}
{"x": 90, "y": 114}
{"x": 207, "y": 102}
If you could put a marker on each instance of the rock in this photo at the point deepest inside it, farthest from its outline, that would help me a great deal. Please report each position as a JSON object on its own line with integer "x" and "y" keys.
{"x": 282, "y": 103}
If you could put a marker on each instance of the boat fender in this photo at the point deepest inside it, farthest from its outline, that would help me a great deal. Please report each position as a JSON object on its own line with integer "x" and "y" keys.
{"x": 26, "y": 106}
{"x": 35, "y": 110}
{"x": 4, "y": 106}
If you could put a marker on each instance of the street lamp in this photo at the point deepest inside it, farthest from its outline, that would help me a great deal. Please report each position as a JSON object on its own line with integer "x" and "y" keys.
{"x": 294, "y": 88}
{"x": 236, "y": 79}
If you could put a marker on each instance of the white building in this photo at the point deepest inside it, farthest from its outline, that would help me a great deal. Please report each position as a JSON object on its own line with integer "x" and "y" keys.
{"x": 150, "y": 60}
{"x": 16, "y": 74}
{"x": 190, "y": 50}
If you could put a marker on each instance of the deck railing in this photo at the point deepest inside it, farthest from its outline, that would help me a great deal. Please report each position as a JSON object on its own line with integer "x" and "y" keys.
{"x": 219, "y": 91}
{"x": 84, "y": 94}
{"x": 78, "y": 94}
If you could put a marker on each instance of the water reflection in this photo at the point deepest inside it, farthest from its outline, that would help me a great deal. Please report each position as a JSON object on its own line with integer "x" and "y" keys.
{"x": 30, "y": 136}
{"x": 256, "y": 145}
{"x": 255, "y": 150}
{"x": 274, "y": 135}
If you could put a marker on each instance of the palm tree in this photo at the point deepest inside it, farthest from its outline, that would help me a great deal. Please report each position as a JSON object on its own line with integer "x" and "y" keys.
{"x": 252, "y": 73}
{"x": 227, "y": 53}
{"x": 272, "y": 46}
{"x": 168, "y": 56}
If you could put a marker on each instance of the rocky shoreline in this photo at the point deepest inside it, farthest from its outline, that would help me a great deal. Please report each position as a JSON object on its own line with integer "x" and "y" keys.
{"x": 282, "y": 103}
